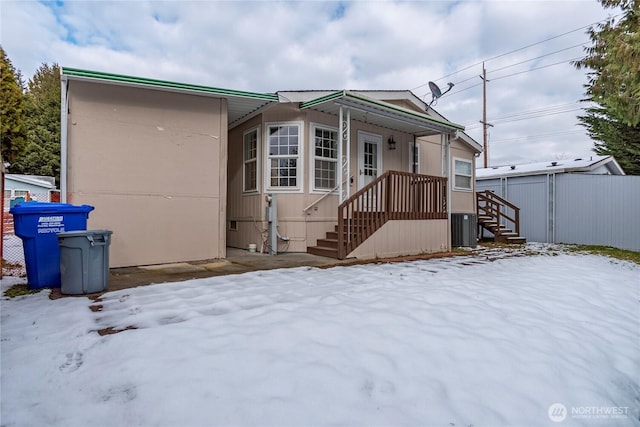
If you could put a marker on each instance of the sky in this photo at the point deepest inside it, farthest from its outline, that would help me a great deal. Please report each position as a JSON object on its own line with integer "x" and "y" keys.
{"x": 532, "y": 96}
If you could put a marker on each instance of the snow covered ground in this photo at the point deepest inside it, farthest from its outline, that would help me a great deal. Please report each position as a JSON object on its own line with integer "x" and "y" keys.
{"x": 523, "y": 341}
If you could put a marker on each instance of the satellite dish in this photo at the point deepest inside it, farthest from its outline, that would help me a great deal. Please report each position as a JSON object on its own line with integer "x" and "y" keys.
{"x": 436, "y": 92}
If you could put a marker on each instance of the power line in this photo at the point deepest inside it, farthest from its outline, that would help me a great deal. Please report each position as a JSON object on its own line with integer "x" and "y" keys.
{"x": 516, "y": 50}
{"x": 538, "y": 68}
{"x": 522, "y": 62}
{"x": 455, "y": 92}
{"x": 531, "y": 114}
{"x": 538, "y": 136}
{"x": 533, "y": 59}
{"x": 536, "y": 116}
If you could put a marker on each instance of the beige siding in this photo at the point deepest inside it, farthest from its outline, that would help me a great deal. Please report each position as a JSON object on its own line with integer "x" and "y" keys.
{"x": 247, "y": 210}
{"x": 463, "y": 201}
{"x": 397, "y": 238}
{"x": 154, "y": 166}
{"x": 431, "y": 155}
{"x": 304, "y": 228}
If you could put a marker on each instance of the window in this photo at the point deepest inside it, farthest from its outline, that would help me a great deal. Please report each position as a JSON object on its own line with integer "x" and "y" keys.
{"x": 250, "y": 156}
{"x": 414, "y": 157}
{"x": 283, "y": 156}
{"x": 463, "y": 174}
{"x": 325, "y": 159}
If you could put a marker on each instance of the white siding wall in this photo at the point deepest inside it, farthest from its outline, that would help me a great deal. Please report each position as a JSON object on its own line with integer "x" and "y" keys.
{"x": 578, "y": 208}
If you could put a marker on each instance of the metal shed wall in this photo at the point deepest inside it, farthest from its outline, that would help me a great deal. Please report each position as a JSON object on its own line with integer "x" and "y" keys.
{"x": 574, "y": 208}
{"x": 598, "y": 210}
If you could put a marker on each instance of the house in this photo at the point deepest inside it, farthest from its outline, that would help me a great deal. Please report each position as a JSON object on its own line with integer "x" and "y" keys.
{"x": 586, "y": 200}
{"x": 28, "y": 187}
{"x": 179, "y": 172}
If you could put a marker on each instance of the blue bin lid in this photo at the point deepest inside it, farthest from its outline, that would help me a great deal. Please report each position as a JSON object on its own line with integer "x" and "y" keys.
{"x": 47, "y": 208}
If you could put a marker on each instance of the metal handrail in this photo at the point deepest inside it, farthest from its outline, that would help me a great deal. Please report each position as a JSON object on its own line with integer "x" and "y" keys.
{"x": 328, "y": 193}
{"x": 315, "y": 202}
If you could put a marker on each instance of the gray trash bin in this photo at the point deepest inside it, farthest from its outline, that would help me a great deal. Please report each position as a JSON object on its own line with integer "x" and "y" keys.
{"x": 84, "y": 261}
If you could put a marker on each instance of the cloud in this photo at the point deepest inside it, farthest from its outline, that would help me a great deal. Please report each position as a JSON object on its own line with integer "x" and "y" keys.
{"x": 269, "y": 46}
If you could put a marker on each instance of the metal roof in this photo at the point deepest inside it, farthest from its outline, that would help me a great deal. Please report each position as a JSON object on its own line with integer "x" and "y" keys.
{"x": 583, "y": 165}
{"x": 36, "y": 180}
{"x": 384, "y": 114}
{"x": 240, "y": 104}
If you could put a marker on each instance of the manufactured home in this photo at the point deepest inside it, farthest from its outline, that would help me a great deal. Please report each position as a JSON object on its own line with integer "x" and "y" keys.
{"x": 180, "y": 172}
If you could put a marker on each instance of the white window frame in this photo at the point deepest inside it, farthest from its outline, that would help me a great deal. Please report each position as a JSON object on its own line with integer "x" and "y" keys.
{"x": 411, "y": 158}
{"x": 299, "y": 157}
{"x": 453, "y": 177}
{"x": 313, "y": 157}
{"x": 257, "y": 158}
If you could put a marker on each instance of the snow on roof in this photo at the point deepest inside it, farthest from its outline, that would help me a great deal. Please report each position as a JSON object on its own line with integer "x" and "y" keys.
{"x": 584, "y": 165}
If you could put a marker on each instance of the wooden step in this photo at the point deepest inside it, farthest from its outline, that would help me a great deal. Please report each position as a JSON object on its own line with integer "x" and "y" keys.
{"x": 511, "y": 240}
{"x": 516, "y": 240}
{"x": 322, "y": 251}
{"x": 328, "y": 243}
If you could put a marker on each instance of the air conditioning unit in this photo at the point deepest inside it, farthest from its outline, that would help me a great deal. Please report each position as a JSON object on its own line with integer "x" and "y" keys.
{"x": 464, "y": 230}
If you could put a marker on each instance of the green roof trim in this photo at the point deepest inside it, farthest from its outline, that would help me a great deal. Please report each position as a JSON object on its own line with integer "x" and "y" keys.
{"x": 323, "y": 99}
{"x": 405, "y": 111}
{"x": 380, "y": 104}
{"x": 120, "y": 78}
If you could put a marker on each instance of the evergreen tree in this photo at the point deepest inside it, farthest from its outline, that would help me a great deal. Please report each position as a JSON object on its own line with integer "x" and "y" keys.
{"x": 614, "y": 138}
{"x": 614, "y": 84}
{"x": 42, "y": 155}
{"x": 13, "y": 131}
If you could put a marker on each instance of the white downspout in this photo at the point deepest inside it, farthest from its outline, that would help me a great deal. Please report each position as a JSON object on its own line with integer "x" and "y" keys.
{"x": 341, "y": 165}
{"x": 64, "y": 108}
{"x": 449, "y": 192}
{"x": 445, "y": 156}
{"x": 348, "y": 171}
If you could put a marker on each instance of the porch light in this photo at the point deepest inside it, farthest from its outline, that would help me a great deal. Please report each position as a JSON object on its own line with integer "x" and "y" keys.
{"x": 392, "y": 143}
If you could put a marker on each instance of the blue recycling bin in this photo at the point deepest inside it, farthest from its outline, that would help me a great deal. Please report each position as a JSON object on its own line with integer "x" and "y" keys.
{"x": 38, "y": 224}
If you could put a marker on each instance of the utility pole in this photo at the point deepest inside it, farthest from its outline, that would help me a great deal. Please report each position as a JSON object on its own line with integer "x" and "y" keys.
{"x": 485, "y": 146}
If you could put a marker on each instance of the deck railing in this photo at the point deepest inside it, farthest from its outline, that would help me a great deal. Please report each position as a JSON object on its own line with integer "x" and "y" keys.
{"x": 392, "y": 196}
{"x": 491, "y": 205}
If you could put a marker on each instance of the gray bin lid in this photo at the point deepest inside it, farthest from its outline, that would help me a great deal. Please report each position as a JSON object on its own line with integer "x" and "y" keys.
{"x": 84, "y": 233}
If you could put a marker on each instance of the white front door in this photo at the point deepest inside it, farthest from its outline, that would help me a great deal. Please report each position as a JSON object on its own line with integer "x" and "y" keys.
{"x": 369, "y": 157}
{"x": 369, "y": 167}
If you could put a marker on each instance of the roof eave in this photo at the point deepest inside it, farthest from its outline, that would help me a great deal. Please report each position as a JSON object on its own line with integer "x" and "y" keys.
{"x": 120, "y": 79}
{"x": 343, "y": 98}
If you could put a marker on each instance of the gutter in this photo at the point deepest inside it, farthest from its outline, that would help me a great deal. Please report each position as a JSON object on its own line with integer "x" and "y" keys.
{"x": 64, "y": 110}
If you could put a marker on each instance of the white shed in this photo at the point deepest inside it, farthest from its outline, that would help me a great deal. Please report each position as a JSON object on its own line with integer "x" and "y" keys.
{"x": 584, "y": 201}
